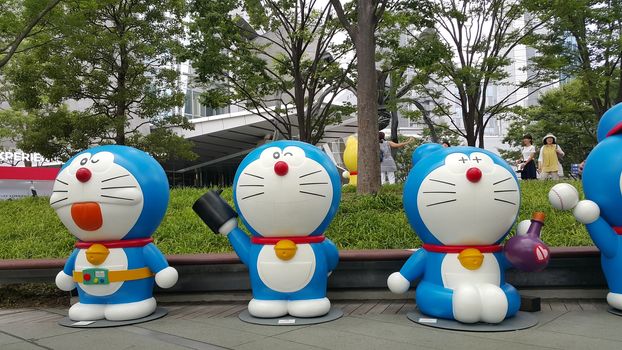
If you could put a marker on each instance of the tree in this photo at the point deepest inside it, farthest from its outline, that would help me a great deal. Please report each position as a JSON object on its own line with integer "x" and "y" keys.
{"x": 116, "y": 58}
{"x": 583, "y": 38}
{"x": 360, "y": 23}
{"x": 565, "y": 112}
{"x": 19, "y": 21}
{"x": 474, "y": 42}
{"x": 282, "y": 65}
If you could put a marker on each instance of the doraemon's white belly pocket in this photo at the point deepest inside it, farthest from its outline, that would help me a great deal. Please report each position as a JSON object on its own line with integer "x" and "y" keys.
{"x": 454, "y": 274}
{"x": 116, "y": 261}
{"x": 286, "y": 276}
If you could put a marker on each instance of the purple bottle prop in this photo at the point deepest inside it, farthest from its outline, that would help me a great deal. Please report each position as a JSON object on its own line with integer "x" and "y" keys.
{"x": 527, "y": 252}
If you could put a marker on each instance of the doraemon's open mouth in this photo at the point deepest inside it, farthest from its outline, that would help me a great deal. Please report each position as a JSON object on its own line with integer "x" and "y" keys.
{"x": 87, "y": 215}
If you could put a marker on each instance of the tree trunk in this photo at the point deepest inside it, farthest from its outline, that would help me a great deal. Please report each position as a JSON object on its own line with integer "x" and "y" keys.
{"x": 367, "y": 101}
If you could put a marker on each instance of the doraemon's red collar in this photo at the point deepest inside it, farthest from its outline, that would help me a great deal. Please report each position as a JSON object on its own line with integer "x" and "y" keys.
{"x": 297, "y": 240}
{"x": 433, "y": 248}
{"x": 124, "y": 243}
{"x": 616, "y": 130}
{"x": 617, "y": 229}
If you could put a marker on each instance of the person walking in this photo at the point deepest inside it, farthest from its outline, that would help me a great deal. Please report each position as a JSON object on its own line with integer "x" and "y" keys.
{"x": 527, "y": 164}
{"x": 549, "y": 165}
{"x": 388, "y": 167}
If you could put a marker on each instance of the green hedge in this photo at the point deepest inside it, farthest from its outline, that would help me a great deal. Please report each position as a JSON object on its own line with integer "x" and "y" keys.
{"x": 29, "y": 228}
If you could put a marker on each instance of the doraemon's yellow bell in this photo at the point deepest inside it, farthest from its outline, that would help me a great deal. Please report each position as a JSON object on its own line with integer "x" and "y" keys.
{"x": 285, "y": 249}
{"x": 471, "y": 258}
{"x": 97, "y": 254}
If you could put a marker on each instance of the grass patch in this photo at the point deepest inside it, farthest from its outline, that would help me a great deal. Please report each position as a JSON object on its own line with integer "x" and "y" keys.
{"x": 30, "y": 229}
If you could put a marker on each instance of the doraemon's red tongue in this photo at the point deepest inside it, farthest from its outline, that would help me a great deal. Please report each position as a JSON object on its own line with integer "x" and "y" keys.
{"x": 87, "y": 215}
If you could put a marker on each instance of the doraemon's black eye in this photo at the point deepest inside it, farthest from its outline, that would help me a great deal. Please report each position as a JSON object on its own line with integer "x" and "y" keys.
{"x": 276, "y": 155}
{"x": 83, "y": 161}
{"x": 290, "y": 153}
{"x": 94, "y": 160}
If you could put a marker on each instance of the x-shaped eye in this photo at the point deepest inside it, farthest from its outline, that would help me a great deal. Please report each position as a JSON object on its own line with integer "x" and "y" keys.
{"x": 463, "y": 160}
{"x": 477, "y": 159}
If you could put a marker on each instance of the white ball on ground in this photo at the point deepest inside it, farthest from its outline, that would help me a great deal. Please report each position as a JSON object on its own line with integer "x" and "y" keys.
{"x": 586, "y": 212}
{"x": 523, "y": 227}
{"x": 563, "y": 196}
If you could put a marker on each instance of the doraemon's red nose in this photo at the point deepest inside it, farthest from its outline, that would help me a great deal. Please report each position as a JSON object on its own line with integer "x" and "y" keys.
{"x": 281, "y": 168}
{"x": 474, "y": 175}
{"x": 83, "y": 174}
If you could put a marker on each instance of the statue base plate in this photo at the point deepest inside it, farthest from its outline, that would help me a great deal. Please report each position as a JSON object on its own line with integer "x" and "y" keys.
{"x": 332, "y": 315}
{"x": 521, "y": 320}
{"x": 66, "y": 322}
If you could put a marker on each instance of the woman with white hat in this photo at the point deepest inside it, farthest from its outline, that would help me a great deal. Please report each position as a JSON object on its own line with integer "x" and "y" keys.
{"x": 549, "y": 165}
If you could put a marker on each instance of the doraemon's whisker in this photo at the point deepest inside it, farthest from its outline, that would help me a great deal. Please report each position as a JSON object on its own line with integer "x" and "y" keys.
{"x": 253, "y": 195}
{"x": 443, "y": 202}
{"x": 116, "y": 187}
{"x": 251, "y": 185}
{"x": 253, "y": 175}
{"x": 116, "y": 177}
{"x": 311, "y": 173}
{"x": 443, "y": 182}
{"x": 504, "y": 201}
{"x": 498, "y": 182}
{"x": 64, "y": 191}
{"x": 501, "y": 191}
{"x": 313, "y": 183}
{"x": 63, "y": 182}
{"x": 60, "y": 200}
{"x": 313, "y": 194}
{"x": 450, "y": 192}
{"x": 113, "y": 197}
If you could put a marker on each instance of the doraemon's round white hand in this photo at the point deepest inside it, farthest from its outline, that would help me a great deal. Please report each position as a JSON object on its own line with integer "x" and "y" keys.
{"x": 65, "y": 282}
{"x": 345, "y": 174}
{"x": 228, "y": 226}
{"x": 522, "y": 227}
{"x": 397, "y": 283}
{"x": 586, "y": 212}
{"x": 166, "y": 278}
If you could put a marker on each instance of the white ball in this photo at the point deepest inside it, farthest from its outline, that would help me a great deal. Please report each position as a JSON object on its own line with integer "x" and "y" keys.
{"x": 563, "y": 196}
{"x": 346, "y": 174}
{"x": 523, "y": 227}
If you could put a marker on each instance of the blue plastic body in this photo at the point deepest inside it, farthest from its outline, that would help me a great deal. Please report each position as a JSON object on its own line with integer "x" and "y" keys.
{"x": 432, "y": 297}
{"x": 326, "y": 253}
{"x": 154, "y": 186}
{"x": 602, "y": 184}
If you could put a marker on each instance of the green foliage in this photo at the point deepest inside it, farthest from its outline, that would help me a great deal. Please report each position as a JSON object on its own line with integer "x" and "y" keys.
{"x": 282, "y": 65}
{"x": 31, "y": 229}
{"x": 582, "y": 39}
{"x": 459, "y": 50}
{"x": 115, "y": 58}
{"x": 565, "y": 112}
{"x": 21, "y": 20}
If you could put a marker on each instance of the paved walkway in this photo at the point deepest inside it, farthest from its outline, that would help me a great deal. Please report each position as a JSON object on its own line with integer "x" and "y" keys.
{"x": 366, "y": 325}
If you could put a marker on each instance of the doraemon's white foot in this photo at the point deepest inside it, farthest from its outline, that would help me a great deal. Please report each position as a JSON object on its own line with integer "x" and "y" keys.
{"x": 615, "y": 300}
{"x": 309, "y": 308}
{"x": 494, "y": 303}
{"x": 86, "y": 312}
{"x": 130, "y": 311}
{"x": 467, "y": 304}
{"x": 267, "y": 308}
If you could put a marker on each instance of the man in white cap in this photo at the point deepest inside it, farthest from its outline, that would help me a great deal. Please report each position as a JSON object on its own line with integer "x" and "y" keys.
{"x": 549, "y": 166}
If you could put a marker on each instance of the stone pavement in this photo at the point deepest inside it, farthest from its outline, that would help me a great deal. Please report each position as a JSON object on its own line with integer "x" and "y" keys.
{"x": 564, "y": 324}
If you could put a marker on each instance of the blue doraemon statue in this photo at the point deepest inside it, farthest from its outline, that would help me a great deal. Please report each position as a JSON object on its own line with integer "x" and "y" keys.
{"x": 462, "y": 202}
{"x": 601, "y": 212}
{"x": 286, "y": 193}
{"x": 112, "y": 198}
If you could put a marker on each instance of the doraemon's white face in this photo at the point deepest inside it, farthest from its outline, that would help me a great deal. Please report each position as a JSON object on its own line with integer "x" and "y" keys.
{"x": 469, "y": 200}
{"x": 97, "y": 199}
{"x": 284, "y": 193}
